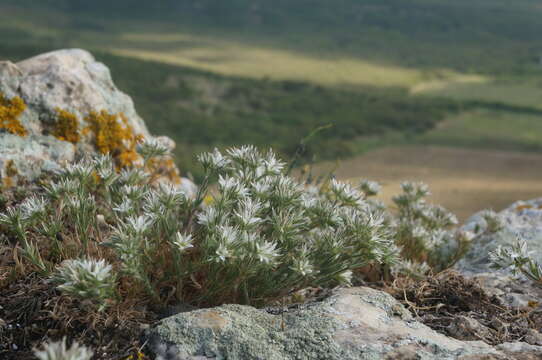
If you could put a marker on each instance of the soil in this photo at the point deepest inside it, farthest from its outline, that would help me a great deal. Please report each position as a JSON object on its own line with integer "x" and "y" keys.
{"x": 33, "y": 312}
{"x": 460, "y": 308}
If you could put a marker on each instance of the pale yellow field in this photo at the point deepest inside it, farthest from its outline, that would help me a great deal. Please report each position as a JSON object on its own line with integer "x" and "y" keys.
{"x": 518, "y": 92}
{"x": 239, "y": 59}
{"x": 465, "y": 181}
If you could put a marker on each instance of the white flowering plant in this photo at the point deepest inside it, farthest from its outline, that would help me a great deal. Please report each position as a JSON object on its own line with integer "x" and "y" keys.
{"x": 255, "y": 236}
{"x": 425, "y": 233}
{"x": 252, "y": 233}
{"x": 60, "y": 351}
{"x": 518, "y": 259}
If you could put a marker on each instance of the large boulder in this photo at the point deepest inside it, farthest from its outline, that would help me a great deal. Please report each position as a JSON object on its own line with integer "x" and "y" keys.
{"x": 356, "y": 323}
{"x": 61, "y": 105}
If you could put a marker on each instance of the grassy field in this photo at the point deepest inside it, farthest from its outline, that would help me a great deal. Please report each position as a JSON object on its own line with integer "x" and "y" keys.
{"x": 519, "y": 92}
{"x": 461, "y": 73}
{"x": 499, "y": 130}
{"x": 229, "y": 58}
{"x": 463, "y": 180}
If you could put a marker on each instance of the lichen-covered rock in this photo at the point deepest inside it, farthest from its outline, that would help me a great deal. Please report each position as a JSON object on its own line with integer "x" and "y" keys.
{"x": 355, "y": 323}
{"x": 522, "y": 220}
{"x": 61, "y": 105}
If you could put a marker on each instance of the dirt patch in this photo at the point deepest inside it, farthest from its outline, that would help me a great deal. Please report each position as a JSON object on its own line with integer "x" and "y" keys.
{"x": 459, "y": 307}
{"x": 32, "y": 311}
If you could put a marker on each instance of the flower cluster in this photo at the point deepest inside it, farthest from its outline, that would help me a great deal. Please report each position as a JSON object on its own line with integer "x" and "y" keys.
{"x": 424, "y": 231}
{"x": 259, "y": 235}
{"x": 518, "y": 258}
{"x": 60, "y": 351}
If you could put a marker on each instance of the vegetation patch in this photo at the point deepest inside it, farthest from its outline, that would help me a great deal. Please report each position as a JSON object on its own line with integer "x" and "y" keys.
{"x": 93, "y": 241}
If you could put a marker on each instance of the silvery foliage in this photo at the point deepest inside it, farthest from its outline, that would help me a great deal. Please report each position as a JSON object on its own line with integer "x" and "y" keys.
{"x": 60, "y": 351}
{"x": 86, "y": 279}
{"x": 424, "y": 231}
{"x": 493, "y": 221}
{"x": 262, "y": 235}
{"x": 518, "y": 258}
{"x": 268, "y": 234}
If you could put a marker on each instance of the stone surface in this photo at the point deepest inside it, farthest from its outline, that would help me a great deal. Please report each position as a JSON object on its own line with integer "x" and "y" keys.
{"x": 70, "y": 80}
{"x": 355, "y": 323}
{"x": 522, "y": 219}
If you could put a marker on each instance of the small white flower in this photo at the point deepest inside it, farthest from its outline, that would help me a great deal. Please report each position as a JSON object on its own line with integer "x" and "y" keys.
{"x": 183, "y": 241}
{"x": 370, "y": 188}
{"x": 152, "y": 147}
{"x": 64, "y": 186}
{"x": 133, "y": 176}
{"x": 346, "y": 277}
{"x": 86, "y": 279}
{"x": 209, "y": 217}
{"x": 228, "y": 234}
{"x": 138, "y": 225}
{"x": 419, "y": 232}
{"x": 60, "y": 351}
{"x": 266, "y": 252}
{"x": 346, "y": 193}
{"x": 222, "y": 253}
{"x": 262, "y": 187}
{"x": 171, "y": 196}
{"x": 33, "y": 206}
{"x": 214, "y": 160}
{"x": 103, "y": 162}
{"x": 231, "y": 187}
{"x": 108, "y": 175}
{"x": 125, "y": 207}
{"x": 303, "y": 267}
{"x": 272, "y": 164}
{"x": 247, "y": 212}
{"x": 82, "y": 170}
{"x": 247, "y": 154}
{"x": 131, "y": 191}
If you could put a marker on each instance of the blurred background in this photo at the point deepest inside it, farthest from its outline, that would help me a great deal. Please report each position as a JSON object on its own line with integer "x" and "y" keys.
{"x": 444, "y": 91}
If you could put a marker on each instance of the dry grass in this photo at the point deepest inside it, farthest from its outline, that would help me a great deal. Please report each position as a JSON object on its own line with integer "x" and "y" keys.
{"x": 463, "y": 180}
{"x": 239, "y": 59}
{"x": 513, "y": 92}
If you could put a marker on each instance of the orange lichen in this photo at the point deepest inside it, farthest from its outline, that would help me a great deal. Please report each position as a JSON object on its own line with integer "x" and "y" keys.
{"x": 66, "y": 127}
{"x": 10, "y": 110}
{"x": 114, "y": 137}
{"x": 11, "y": 173}
{"x": 163, "y": 167}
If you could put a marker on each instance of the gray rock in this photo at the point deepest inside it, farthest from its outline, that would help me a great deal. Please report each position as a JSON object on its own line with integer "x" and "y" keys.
{"x": 521, "y": 220}
{"x": 355, "y": 323}
{"x": 71, "y": 80}
{"x": 512, "y": 291}
{"x": 464, "y": 327}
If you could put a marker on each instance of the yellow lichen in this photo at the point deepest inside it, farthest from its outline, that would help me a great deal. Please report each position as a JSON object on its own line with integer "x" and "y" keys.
{"x": 66, "y": 127}
{"x": 10, "y": 110}
{"x": 11, "y": 173}
{"x": 163, "y": 167}
{"x": 114, "y": 137}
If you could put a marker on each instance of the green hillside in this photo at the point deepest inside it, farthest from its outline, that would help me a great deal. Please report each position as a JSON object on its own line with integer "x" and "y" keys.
{"x": 218, "y": 73}
{"x": 200, "y": 110}
{"x": 481, "y": 35}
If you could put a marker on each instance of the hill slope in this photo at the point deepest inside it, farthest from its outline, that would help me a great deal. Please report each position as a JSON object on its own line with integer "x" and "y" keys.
{"x": 486, "y": 35}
